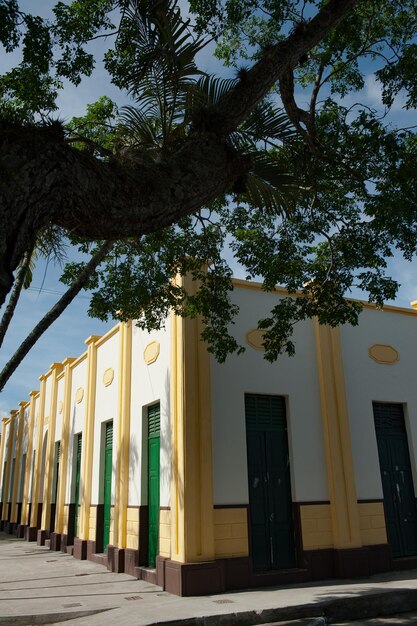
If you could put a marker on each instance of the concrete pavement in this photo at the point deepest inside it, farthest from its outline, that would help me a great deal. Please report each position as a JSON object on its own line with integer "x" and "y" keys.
{"x": 39, "y": 586}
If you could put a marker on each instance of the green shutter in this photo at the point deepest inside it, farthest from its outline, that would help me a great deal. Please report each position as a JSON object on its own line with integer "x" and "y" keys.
{"x": 154, "y": 413}
{"x": 77, "y": 481}
{"x": 108, "y": 466}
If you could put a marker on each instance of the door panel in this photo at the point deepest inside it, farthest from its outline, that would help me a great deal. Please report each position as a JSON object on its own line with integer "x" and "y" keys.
{"x": 397, "y": 479}
{"x": 270, "y": 503}
{"x": 108, "y": 466}
{"x": 77, "y": 482}
{"x": 153, "y": 482}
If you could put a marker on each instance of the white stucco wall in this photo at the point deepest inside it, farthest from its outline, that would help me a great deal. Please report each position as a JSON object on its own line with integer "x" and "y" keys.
{"x": 150, "y": 384}
{"x": 77, "y": 414}
{"x": 295, "y": 378}
{"x": 368, "y": 381}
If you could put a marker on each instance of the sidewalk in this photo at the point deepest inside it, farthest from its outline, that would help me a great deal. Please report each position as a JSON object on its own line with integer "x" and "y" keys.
{"x": 39, "y": 586}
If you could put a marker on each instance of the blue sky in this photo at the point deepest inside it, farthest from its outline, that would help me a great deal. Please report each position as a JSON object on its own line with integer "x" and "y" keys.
{"x": 66, "y": 337}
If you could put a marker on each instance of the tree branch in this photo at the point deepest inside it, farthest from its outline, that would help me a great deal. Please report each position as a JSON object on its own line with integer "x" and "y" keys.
{"x": 54, "y": 313}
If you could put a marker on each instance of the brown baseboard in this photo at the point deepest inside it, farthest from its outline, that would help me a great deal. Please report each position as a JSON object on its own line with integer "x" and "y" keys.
{"x": 55, "y": 539}
{"x": 131, "y": 561}
{"x": 115, "y": 559}
{"x": 42, "y": 536}
{"x": 80, "y": 549}
{"x": 20, "y": 531}
{"x": 31, "y": 533}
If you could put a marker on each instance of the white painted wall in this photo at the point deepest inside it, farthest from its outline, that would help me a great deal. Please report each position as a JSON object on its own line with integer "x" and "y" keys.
{"x": 106, "y": 410}
{"x": 58, "y": 414}
{"x": 150, "y": 384}
{"x": 368, "y": 381}
{"x": 77, "y": 415}
{"x": 295, "y": 378}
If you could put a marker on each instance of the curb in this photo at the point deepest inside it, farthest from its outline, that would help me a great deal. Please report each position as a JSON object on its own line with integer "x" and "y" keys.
{"x": 46, "y": 618}
{"x": 372, "y": 604}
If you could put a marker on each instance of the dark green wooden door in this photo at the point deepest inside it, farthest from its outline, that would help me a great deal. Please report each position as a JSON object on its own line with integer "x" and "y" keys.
{"x": 270, "y": 503}
{"x": 397, "y": 479}
{"x": 154, "y": 415}
{"x": 78, "y": 448}
{"x": 108, "y": 465}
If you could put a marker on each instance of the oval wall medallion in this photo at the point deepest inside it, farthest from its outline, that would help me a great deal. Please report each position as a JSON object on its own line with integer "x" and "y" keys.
{"x": 108, "y": 376}
{"x": 79, "y": 395}
{"x": 254, "y": 338}
{"x": 151, "y": 352}
{"x": 60, "y": 406}
{"x": 384, "y": 354}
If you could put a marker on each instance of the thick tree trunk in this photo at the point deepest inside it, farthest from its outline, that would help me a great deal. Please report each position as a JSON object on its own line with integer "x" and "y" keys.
{"x": 15, "y": 294}
{"x": 53, "y": 314}
{"x": 45, "y": 181}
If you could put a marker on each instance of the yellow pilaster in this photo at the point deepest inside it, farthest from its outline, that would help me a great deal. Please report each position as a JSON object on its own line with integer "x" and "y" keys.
{"x": 6, "y": 485}
{"x": 123, "y": 435}
{"x": 88, "y": 437}
{"x": 38, "y": 454}
{"x": 56, "y": 369}
{"x": 336, "y": 436}
{"x": 29, "y": 452}
{"x": 192, "y": 527}
{"x": 18, "y": 469}
{"x": 4, "y": 423}
{"x": 63, "y": 462}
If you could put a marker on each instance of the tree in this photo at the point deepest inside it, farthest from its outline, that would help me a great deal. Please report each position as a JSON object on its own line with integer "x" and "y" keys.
{"x": 210, "y": 160}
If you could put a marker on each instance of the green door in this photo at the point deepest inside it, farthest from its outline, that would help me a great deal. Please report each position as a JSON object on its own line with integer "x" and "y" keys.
{"x": 397, "y": 479}
{"x": 270, "y": 503}
{"x": 78, "y": 447}
{"x": 154, "y": 418}
{"x": 108, "y": 465}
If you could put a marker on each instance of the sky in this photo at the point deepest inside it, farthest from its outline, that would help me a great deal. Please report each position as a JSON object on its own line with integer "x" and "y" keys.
{"x": 67, "y": 335}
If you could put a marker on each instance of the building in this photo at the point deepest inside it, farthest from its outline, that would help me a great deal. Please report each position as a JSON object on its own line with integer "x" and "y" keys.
{"x": 146, "y": 455}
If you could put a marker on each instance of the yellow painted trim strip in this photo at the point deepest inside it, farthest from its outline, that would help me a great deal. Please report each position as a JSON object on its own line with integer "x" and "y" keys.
{"x": 123, "y": 436}
{"x": 10, "y": 437}
{"x": 18, "y": 461}
{"x": 34, "y": 395}
{"x": 63, "y": 462}
{"x": 38, "y": 457}
{"x": 108, "y": 335}
{"x": 256, "y": 286}
{"x": 2, "y": 449}
{"x": 336, "y": 436}
{"x": 192, "y": 527}
{"x": 79, "y": 360}
{"x": 56, "y": 369}
{"x": 88, "y": 437}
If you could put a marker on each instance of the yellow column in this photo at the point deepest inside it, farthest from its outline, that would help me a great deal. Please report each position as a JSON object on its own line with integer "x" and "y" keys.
{"x": 123, "y": 435}
{"x": 63, "y": 462}
{"x": 38, "y": 454}
{"x": 192, "y": 530}
{"x": 56, "y": 369}
{"x": 29, "y": 452}
{"x": 336, "y": 435}
{"x": 6, "y": 485}
{"x": 88, "y": 437}
{"x": 18, "y": 462}
{"x": 4, "y": 422}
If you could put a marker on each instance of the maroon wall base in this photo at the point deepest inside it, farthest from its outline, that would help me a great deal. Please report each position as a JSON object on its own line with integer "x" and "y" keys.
{"x": 55, "y": 539}
{"x": 42, "y": 536}
{"x": 80, "y": 549}
{"x": 131, "y": 561}
{"x": 20, "y": 531}
{"x": 115, "y": 559}
{"x": 31, "y": 533}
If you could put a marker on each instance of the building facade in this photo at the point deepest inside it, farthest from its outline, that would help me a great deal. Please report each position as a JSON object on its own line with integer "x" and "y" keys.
{"x": 146, "y": 455}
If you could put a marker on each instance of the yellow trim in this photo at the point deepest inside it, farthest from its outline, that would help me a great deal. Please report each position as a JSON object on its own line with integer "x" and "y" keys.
{"x": 388, "y": 308}
{"x": 2, "y": 449}
{"x": 56, "y": 369}
{"x": 151, "y": 352}
{"x": 231, "y": 532}
{"x": 108, "y": 335}
{"x": 38, "y": 457}
{"x": 34, "y": 395}
{"x": 78, "y": 360}
{"x": 63, "y": 463}
{"x": 8, "y": 465}
{"x": 372, "y": 523}
{"x": 336, "y": 436}
{"x": 18, "y": 461}
{"x": 316, "y": 526}
{"x": 88, "y": 437}
{"x": 192, "y": 528}
{"x": 123, "y": 436}
{"x": 383, "y": 354}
